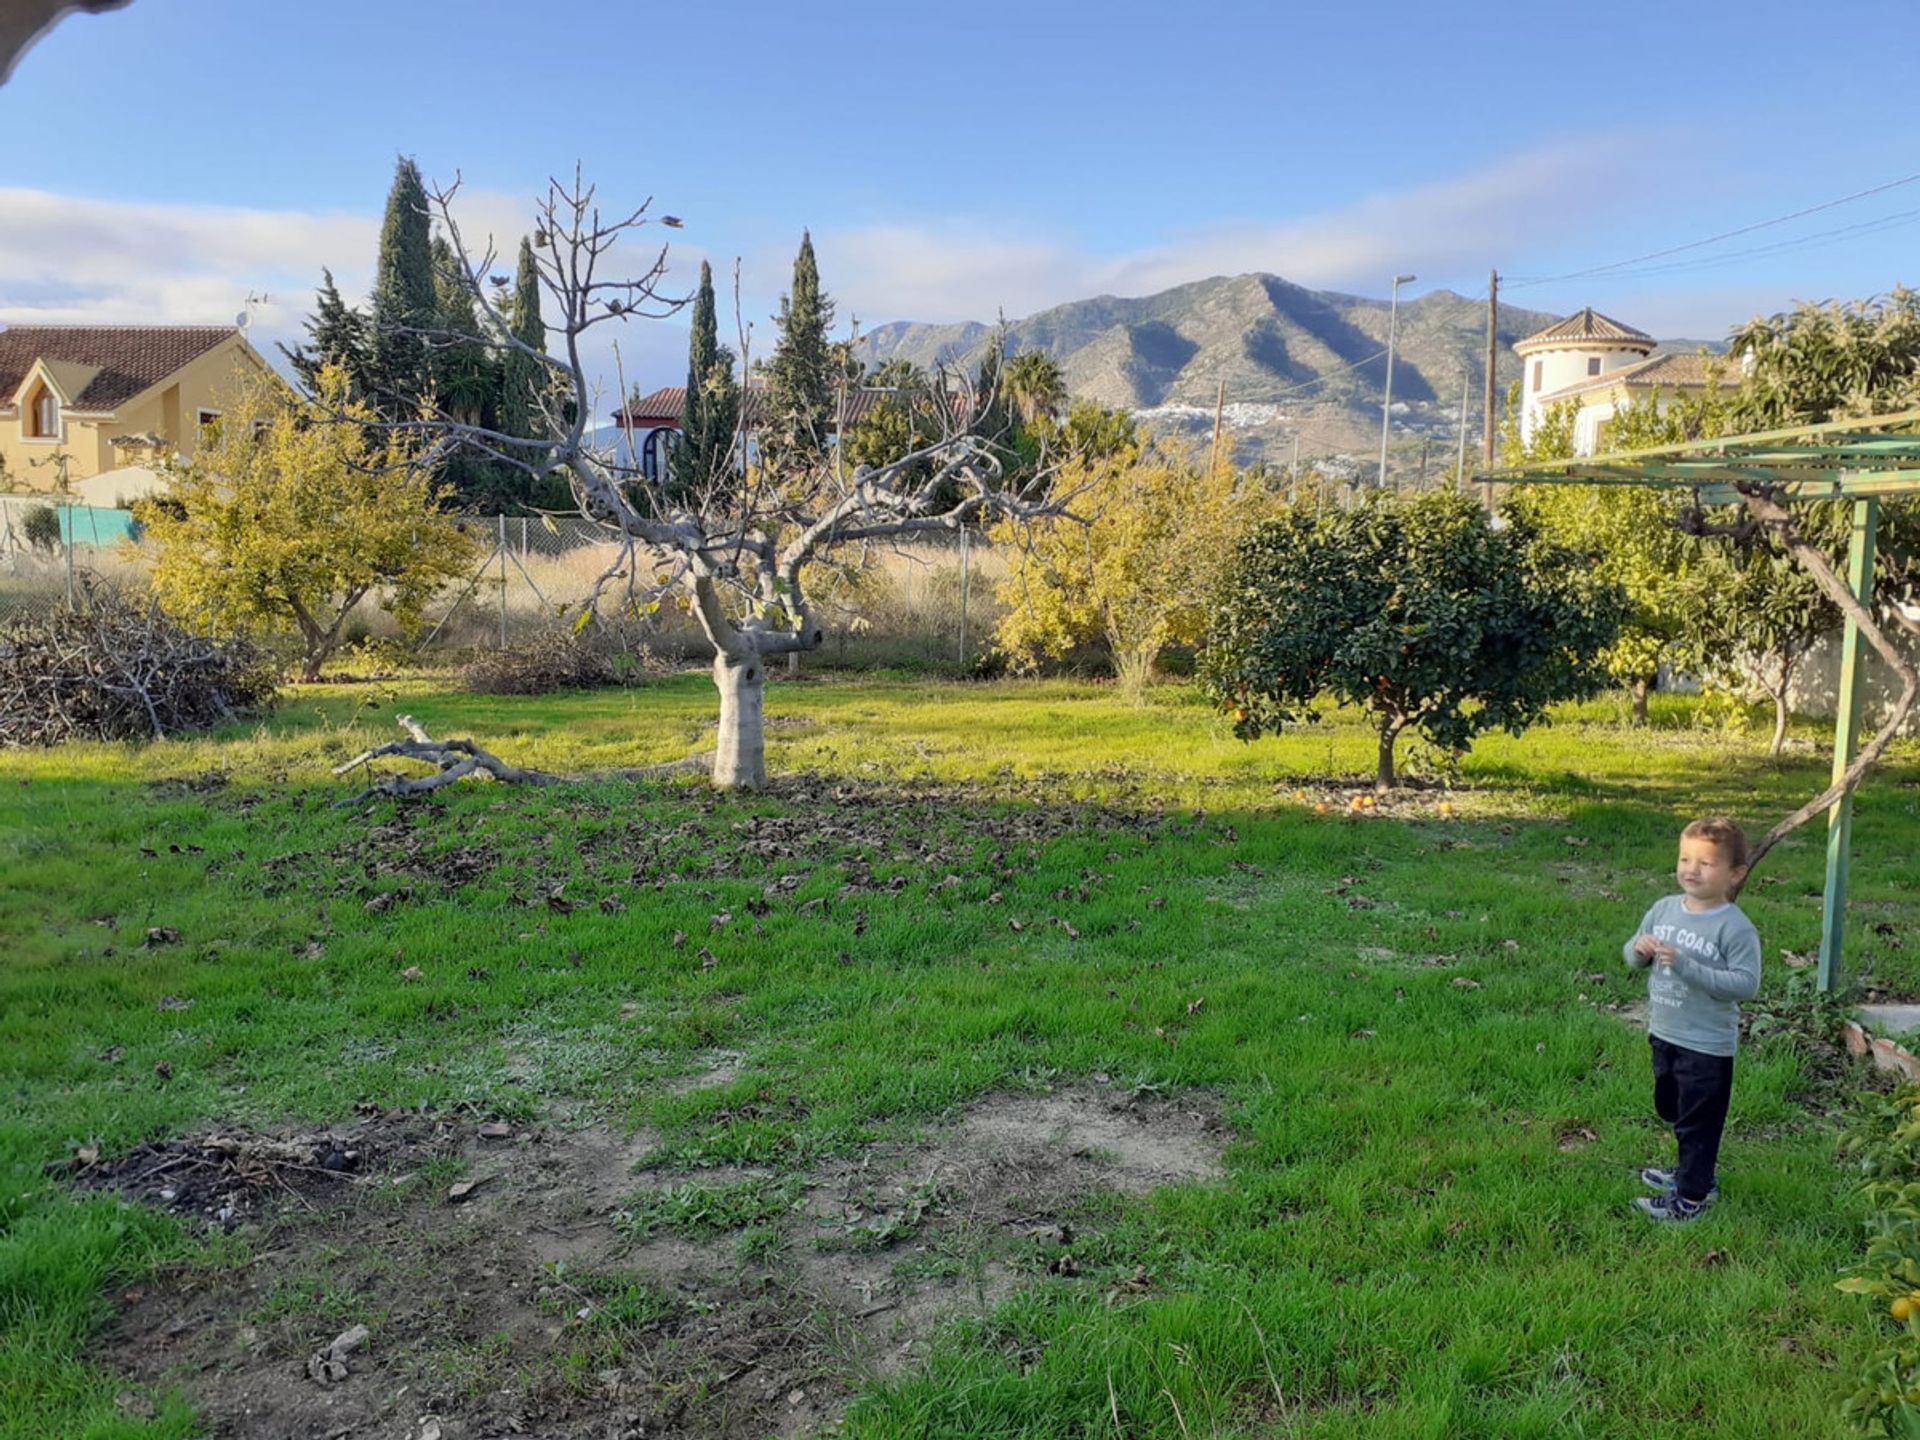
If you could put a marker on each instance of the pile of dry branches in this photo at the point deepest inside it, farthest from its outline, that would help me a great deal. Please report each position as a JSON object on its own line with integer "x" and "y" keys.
{"x": 114, "y": 669}
{"x": 552, "y": 660}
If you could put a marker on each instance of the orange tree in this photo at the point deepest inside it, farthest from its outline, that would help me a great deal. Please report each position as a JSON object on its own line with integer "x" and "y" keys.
{"x": 290, "y": 513}
{"x": 1420, "y": 612}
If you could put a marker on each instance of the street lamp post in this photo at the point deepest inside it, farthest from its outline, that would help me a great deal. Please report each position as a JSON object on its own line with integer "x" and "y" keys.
{"x": 1386, "y": 406}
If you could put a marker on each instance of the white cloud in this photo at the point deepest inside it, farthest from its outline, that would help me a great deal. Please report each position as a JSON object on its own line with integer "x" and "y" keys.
{"x": 72, "y": 260}
{"x": 964, "y": 270}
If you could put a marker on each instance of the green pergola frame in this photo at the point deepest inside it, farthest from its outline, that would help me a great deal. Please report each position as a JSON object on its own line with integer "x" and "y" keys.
{"x": 1859, "y": 461}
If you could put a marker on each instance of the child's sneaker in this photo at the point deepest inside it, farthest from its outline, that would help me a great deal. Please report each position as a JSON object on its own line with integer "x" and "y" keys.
{"x": 1661, "y": 1181}
{"x": 1670, "y": 1209}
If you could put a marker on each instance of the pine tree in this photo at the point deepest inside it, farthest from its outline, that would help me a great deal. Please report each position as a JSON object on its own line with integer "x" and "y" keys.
{"x": 403, "y": 296}
{"x": 337, "y": 335}
{"x": 465, "y": 378}
{"x": 701, "y": 458}
{"x": 461, "y": 365}
{"x": 800, "y": 376}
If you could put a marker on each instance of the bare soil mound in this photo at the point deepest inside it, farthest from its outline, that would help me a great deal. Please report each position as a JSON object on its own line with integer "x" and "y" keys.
{"x": 535, "y": 1280}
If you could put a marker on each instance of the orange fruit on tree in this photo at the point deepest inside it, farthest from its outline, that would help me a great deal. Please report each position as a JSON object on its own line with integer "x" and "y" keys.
{"x": 1321, "y": 808}
{"x": 1902, "y": 1308}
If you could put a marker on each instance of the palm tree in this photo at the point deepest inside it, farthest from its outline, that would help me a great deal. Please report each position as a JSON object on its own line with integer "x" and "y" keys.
{"x": 1034, "y": 385}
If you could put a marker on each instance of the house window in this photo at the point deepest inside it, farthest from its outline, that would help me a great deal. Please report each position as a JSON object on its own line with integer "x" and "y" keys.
{"x": 1538, "y": 366}
{"x": 207, "y": 417}
{"x": 43, "y": 415}
{"x": 1593, "y": 365}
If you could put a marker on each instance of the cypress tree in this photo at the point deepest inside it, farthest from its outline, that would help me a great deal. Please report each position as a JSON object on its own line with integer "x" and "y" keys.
{"x": 701, "y": 458}
{"x": 800, "y": 394}
{"x": 523, "y": 379}
{"x": 403, "y": 295}
{"x": 522, "y": 374}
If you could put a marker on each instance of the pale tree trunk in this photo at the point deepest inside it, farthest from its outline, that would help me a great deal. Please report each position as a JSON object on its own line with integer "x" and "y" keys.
{"x": 1639, "y": 691}
{"x": 740, "y": 749}
{"x": 1777, "y": 687}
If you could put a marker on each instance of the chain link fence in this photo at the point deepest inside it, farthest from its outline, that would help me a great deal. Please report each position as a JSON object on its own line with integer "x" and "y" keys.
{"x": 921, "y": 605}
{"x": 48, "y": 543}
{"x": 916, "y": 605}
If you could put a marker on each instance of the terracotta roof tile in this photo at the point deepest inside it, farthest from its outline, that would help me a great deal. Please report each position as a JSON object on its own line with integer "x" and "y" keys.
{"x": 127, "y": 358}
{"x": 1683, "y": 371}
{"x": 1586, "y": 326}
{"x": 664, "y": 406}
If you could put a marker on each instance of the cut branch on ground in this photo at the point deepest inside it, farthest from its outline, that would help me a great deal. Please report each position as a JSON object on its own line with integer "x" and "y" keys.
{"x": 455, "y": 760}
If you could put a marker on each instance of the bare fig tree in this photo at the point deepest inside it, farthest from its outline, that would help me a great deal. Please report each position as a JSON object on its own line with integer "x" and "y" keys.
{"x": 739, "y": 553}
{"x": 1764, "y": 508}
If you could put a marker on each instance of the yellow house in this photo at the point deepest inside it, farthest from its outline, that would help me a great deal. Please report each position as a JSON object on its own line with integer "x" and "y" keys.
{"x": 89, "y": 399}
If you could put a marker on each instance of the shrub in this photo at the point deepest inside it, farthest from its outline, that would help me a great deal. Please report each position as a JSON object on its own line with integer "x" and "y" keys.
{"x": 1420, "y": 612}
{"x": 1883, "y": 1142}
{"x": 549, "y": 661}
{"x": 113, "y": 669}
{"x": 41, "y": 527}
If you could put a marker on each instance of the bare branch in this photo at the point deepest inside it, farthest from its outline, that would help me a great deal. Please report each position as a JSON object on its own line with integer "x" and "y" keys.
{"x": 455, "y": 759}
{"x": 1768, "y": 510}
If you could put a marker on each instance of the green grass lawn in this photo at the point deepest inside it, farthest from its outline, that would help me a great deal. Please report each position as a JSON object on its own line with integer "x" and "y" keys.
{"x": 1422, "y": 1229}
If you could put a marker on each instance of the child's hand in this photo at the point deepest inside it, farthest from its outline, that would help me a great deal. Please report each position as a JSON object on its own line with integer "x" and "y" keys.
{"x": 1646, "y": 947}
{"x": 1663, "y": 956}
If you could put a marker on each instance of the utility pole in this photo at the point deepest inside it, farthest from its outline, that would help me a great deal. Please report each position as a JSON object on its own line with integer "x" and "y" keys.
{"x": 1493, "y": 342}
{"x": 1219, "y": 410}
{"x": 1426, "y": 448}
{"x": 1460, "y": 464}
{"x": 1293, "y": 481}
{"x": 1386, "y": 404}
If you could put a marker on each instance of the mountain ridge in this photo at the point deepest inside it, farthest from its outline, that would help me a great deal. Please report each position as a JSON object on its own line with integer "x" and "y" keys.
{"x": 1294, "y": 362}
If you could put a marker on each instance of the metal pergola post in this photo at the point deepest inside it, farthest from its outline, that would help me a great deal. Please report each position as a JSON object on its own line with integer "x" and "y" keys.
{"x": 1846, "y": 742}
{"x": 1858, "y": 462}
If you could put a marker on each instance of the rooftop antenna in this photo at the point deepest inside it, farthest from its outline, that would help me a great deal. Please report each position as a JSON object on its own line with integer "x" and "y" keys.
{"x": 245, "y": 318}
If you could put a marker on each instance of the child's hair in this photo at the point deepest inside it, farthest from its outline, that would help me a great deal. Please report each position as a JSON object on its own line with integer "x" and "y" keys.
{"x": 1723, "y": 833}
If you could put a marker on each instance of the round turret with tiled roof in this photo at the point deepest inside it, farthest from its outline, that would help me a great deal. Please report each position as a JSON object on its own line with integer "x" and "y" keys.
{"x": 1571, "y": 352}
{"x": 1586, "y": 329}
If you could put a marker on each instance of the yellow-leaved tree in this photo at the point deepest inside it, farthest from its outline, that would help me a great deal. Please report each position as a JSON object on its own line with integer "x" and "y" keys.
{"x": 291, "y": 512}
{"x": 1140, "y": 573}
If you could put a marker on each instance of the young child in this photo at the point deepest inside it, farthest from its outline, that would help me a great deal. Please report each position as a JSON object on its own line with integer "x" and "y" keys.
{"x": 1702, "y": 957}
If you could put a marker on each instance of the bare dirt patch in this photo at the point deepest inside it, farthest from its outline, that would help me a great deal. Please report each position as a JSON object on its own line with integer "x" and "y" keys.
{"x": 534, "y": 1280}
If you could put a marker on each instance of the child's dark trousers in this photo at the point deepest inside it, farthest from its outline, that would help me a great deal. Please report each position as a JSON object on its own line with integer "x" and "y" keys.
{"x": 1690, "y": 1093}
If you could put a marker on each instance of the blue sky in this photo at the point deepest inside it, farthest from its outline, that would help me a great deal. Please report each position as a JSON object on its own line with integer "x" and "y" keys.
{"x": 167, "y": 159}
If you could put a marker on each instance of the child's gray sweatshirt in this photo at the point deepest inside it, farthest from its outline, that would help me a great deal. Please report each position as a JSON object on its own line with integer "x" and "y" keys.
{"x": 1695, "y": 1001}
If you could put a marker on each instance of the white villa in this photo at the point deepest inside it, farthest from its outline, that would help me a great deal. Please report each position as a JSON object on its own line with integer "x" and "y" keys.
{"x": 1600, "y": 366}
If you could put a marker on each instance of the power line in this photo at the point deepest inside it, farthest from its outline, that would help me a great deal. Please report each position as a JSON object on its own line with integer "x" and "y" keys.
{"x": 1802, "y": 242}
{"x": 1322, "y": 379}
{"x": 1716, "y": 239}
